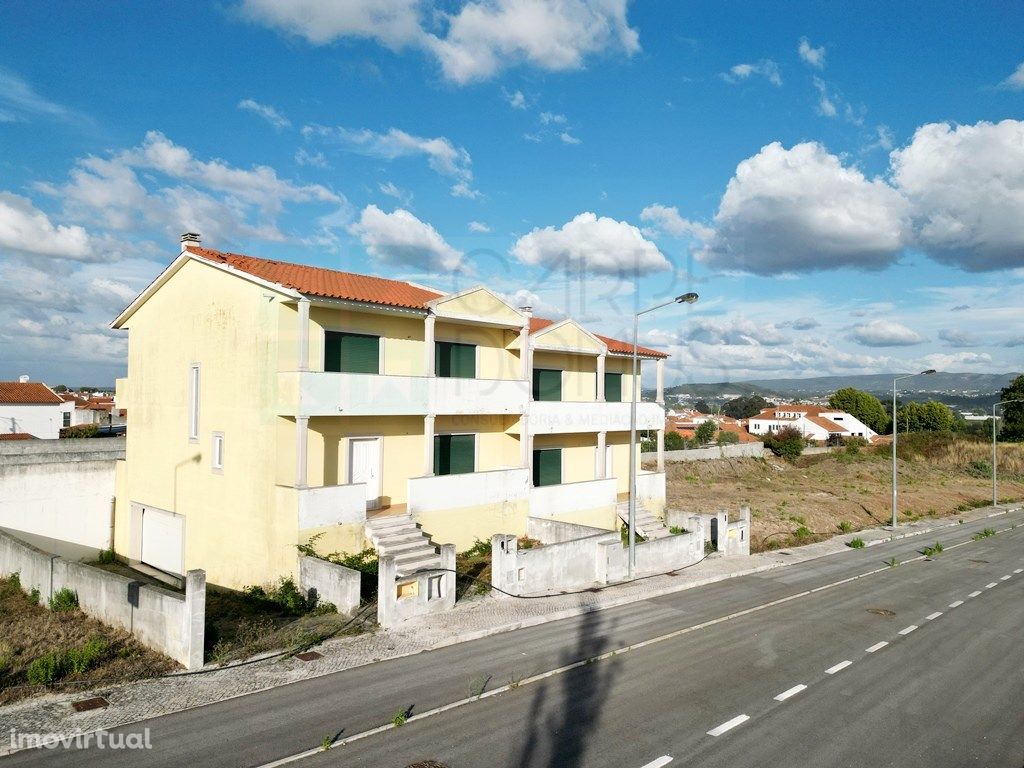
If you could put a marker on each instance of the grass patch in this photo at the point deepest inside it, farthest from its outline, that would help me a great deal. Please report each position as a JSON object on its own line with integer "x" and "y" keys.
{"x": 676, "y": 530}
{"x": 933, "y": 550}
{"x": 845, "y": 526}
{"x": 624, "y": 535}
{"x": 474, "y": 570}
{"x": 984, "y": 534}
{"x": 399, "y": 718}
{"x": 857, "y": 543}
{"x": 64, "y": 600}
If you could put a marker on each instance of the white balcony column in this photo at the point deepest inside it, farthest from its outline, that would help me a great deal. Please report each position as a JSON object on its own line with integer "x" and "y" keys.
{"x": 428, "y": 446}
{"x": 660, "y": 397}
{"x": 661, "y": 450}
{"x": 524, "y": 352}
{"x": 303, "y": 334}
{"x": 600, "y": 376}
{"x": 524, "y": 441}
{"x": 428, "y": 345}
{"x": 301, "y": 451}
{"x": 602, "y": 454}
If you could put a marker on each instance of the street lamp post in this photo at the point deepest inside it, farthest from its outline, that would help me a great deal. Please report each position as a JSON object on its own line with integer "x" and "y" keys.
{"x": 686, "y": 298}
{"x": 995, "y": 481}
{"x": 895, "y": 429}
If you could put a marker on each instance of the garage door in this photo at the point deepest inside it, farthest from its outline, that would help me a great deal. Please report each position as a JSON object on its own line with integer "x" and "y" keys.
{"x": 163, "y": 540}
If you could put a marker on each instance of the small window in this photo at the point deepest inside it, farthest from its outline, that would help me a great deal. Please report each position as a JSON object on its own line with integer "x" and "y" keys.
{"x": 613, "y": 387}
{"x": 455, "y": 361}
{"x": 217, "y": 453}
{"x": 67, "y": 418}
{"x": 454, "y": 454}
{"x": 351, "y": 352}
{"x": 193, "y": 403}
{"x": 547, "y": 467}
{"x": 547, "y": 384}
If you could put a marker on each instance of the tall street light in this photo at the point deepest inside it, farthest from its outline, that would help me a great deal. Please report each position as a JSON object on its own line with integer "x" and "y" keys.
{"x": 895, "y": 429}
{"x": 995, "y": 481}
{"x": 686, "y": 298}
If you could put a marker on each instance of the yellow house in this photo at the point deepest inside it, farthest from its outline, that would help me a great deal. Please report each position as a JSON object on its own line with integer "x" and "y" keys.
{"x": 271, "y": 402}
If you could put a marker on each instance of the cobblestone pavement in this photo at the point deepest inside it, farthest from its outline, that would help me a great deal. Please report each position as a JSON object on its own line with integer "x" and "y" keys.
{"x": 471, "y": 619}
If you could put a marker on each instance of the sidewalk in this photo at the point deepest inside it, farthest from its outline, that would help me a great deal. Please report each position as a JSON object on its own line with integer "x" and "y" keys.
{"x": 471, "y": 619}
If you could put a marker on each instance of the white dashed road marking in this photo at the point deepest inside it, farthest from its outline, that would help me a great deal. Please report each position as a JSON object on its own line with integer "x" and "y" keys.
{"x": 957, "y": 604}
{"x": 975, "y": 594}
{"x": 933, "y": 616}
{"x": 990, "y": 585}
{"x": 1018, "y": 570}
{"x": 728, "y": 725}
{"x": 791, "y": 692}
{"x": 908, "y": 630}
{"x": 876, "y": 647}
{"x": 661, "y": 761}
{"x": 838, "y": 667}
{"x": 1004, "y": 578}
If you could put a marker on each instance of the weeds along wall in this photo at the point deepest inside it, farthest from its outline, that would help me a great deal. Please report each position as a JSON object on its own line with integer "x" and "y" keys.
{"x": 171, "y": 623}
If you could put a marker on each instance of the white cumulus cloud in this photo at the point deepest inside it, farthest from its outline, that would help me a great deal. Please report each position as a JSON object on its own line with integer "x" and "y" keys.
{"x": 1015, "y": 81}
{"x": 884, "y": 333}
{"x": 813, "y": 56}
{"x": 393, "y": 23}
{"x": 766, "y": 68}
{"x": 599, "y": 245}
{"x": 25, "y": 228}
{"x": 664, "y": 218}
{"x": 267, "y": 112}
{"x": 400, "y": 239}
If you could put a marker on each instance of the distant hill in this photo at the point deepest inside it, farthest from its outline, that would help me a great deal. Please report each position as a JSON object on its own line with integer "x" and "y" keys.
{"x": 959, "y": 387}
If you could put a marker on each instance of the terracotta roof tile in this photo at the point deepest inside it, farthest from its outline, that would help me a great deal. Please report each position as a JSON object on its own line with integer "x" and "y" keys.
{"x": 614, "y": 345}
{"x": 27, "y": 393}
{"x": 329, "y": 283}
{"x": 16, "y": 436}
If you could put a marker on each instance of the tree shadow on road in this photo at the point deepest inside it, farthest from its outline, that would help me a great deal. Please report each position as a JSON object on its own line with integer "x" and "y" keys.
{"x": 566, "y": 709}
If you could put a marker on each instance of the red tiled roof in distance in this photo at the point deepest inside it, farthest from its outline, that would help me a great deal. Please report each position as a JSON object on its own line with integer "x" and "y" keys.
{"x": 16, "y": 436}
{"x": 329, "y": 283}
{"x": 27, "y": 393}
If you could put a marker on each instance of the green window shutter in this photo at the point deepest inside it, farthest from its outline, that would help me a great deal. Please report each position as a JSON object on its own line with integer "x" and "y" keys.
{"x": 351, "y": 352}
{"x": 547, "y": 385}
{"x": 455, "y": 361}
{"x": 613, "y": 387}
{"x": 454, "y": 454}
{"x": 547, "y": 466}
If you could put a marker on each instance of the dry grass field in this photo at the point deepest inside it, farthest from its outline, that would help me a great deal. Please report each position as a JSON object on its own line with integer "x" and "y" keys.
{"x": 820, "y": 496}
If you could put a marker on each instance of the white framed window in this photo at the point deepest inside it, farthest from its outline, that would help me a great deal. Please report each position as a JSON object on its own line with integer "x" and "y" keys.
{"x": 217, "y": 453}
{"x": 67, "y": 418}
{"x": 193, "y": 403}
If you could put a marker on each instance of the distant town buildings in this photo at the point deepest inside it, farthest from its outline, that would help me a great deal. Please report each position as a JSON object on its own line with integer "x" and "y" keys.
{"x": 814, "y": 422}
{"x": 685, "y": 423}
{"x": 31, "y": 409}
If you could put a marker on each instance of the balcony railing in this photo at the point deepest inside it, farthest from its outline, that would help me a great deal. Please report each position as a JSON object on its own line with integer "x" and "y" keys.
{"x": 552, "y": 500}
{"x": 650, "y": 485}
{"x": 467, "y": 490}
{"x": 325, "y": 505}
{"x": 549, "y": 418}
{"x": 314, "y": 393}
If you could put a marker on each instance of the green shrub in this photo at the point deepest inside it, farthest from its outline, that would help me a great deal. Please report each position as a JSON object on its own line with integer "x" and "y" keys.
{"x": 526, "y": 542}
{"x": 105, "y": 557}
{"x": 56, "y": 665}
{"x": 984, "y": 534}
{"x": 480, "y": 548}
{"x": 676, "y": 530}
{"x": 845, "y": 526}
{"x": 727, "y": 438}
{"x": 933, "y": 550}
{"x": 979, "y": 469}
{"x": 624, "y": 535}
{"x": 64, "y": 600}
{"x": 787, "y": 443}
{"x": 285, "y": 596}
{"x": 856, "y": 544}
{"x": 80, "y": 430}
{"x": 802, "y": 532}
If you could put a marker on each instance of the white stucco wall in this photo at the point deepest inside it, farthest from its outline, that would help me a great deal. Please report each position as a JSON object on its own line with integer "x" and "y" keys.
{"x": 42, "y": 421}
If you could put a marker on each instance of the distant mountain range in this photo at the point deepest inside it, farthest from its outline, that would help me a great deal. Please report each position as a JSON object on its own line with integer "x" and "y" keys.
{"x": 958, "y": 385}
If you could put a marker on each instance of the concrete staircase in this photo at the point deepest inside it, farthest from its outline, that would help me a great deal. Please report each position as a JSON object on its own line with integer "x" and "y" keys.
{"x": 398, "y": 536}
{"x": 648, "y": 525}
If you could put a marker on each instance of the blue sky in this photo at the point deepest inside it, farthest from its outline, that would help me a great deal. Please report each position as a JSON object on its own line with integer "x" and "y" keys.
{"x": 843, "y": 187}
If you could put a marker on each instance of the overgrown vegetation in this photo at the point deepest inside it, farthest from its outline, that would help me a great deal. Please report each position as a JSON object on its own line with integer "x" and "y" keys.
{"x": 365, "y": 562}
{"x": 80, "y": 430}
{"x": 787, "y": 443}
{"x": 933, "y": 550}
{"x": 845, "y": 526}
{"x": 474, "y": 570}
{"x": 857, "y": 543}
{"x": 624, "y": 535}
{"x": 676, "y": 530}
{"x": 984, "y": 534}
{"x": 64, "y": 600}
{"x": 40, "y": 647}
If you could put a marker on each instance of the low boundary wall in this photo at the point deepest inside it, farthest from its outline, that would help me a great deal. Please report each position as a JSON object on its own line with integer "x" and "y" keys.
{"x": 329, "y": 582}
{"x": 171, "y": 623}
{"x": 733, "y": 451}
{"x": 548, "y": 531}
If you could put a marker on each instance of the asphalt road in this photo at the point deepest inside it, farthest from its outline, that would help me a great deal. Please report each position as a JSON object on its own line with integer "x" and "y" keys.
{"x": 950, "y": 692}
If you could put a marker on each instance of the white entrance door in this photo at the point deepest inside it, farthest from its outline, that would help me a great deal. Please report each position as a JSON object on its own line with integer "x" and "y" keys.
{"x": 163, "y": 540}
{"x": 364, "y": 467}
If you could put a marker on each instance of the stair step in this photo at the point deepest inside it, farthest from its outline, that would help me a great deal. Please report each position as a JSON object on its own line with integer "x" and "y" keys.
{"x": 418, "y": 565}
{"x": 390, "y": 523}
{"x": 411, "y": 546}
{"x": 393, "y": 539}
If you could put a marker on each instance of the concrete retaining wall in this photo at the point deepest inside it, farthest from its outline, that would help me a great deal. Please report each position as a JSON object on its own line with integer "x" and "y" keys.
{"x": 400, "y": 599}
{"x": 556, "y": 567}
{"x": 652, "y": 556}
{"x": 548, "y": 531}
{"x": 61, "y": 489}
{"x": 734, "y": 451}
{"x": 330, "y": 582}
{"x": 171, "y": 623}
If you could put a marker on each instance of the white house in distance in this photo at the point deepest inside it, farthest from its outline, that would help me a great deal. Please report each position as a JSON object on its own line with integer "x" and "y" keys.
{"x": 32, "y": 408}
{"x": 814, "y": 422}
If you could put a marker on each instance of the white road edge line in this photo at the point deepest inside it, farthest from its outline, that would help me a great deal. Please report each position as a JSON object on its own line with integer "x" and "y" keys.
{"x": 908, "y": 630}
{"x": 956, "y": 604}
{"x": 990, "y": 585}
{"x": 791, "y": 692}
{"x": 1004, "y": 578}
{"x": 838, "y": 667}
{"x": 1018, "y": 570}
{"x": 975, "y": 594}
{"x": 661, "y": 761}
{"x": 877, "y": 646}
{"x": 933, "y": 616}
{"x": 728, "y": 725}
